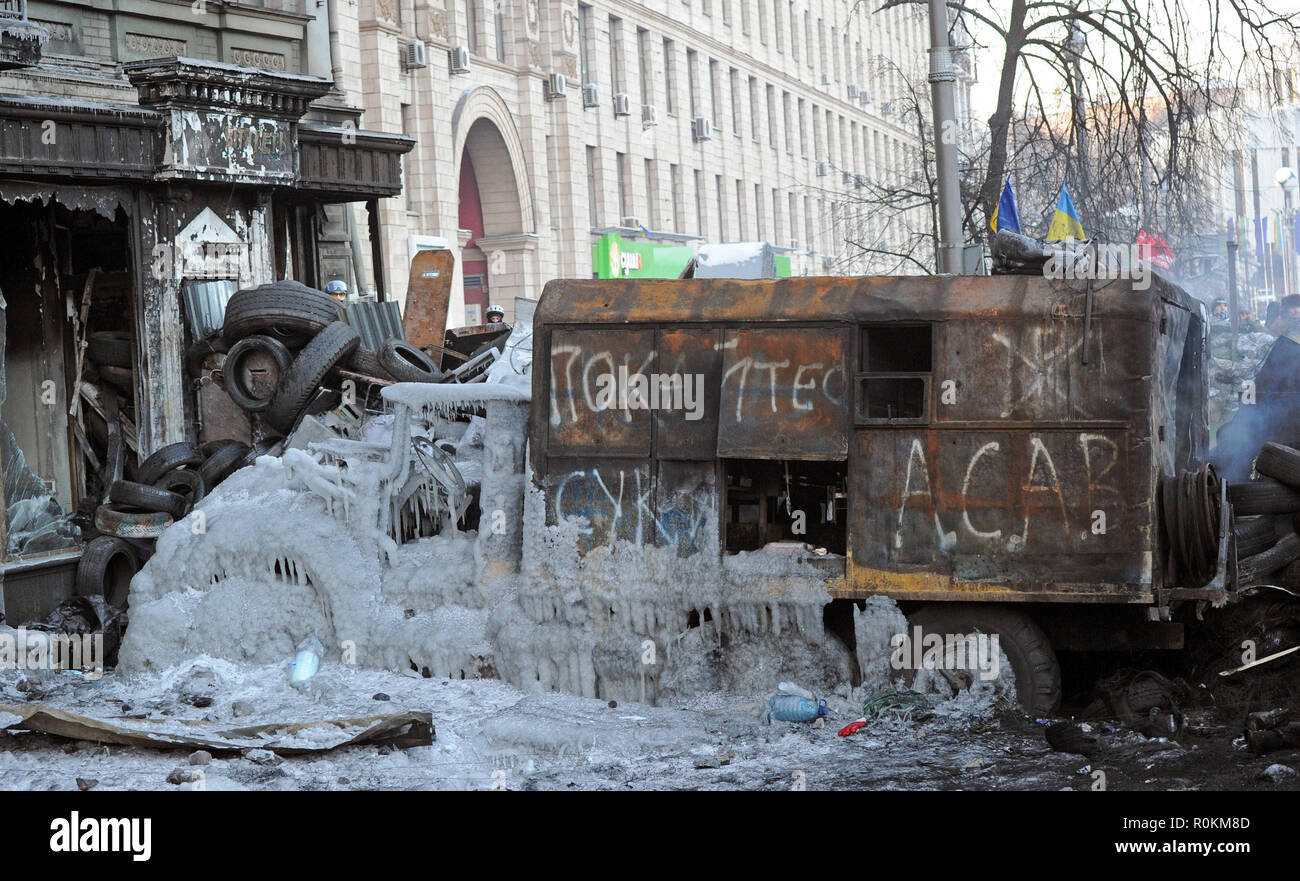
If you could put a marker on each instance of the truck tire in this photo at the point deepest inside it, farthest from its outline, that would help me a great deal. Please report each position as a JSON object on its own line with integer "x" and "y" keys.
{"x": 1037, "y": 671}
{"x": 1263, "y": 496}
{"x": 1286, "y": 551}
{"x": 405, "y": 363}
{"x": 111, "y": 348}
{"x": 186, "y": 483}
{"x": 366, "y": 362}
{"x": 168, "y": 458}
{"x": 148, "y": 498}
{"x": 131, "y": 524}
{"x": 1254, "y": 534}
{"x": 299, "y": 383}
{"x": 106, "y": 567}
{"x": 287, "y": 310}
{"x": 222, "y": 462}
{"x": 1280, "y": 462}
{"x": 274, "y": 354}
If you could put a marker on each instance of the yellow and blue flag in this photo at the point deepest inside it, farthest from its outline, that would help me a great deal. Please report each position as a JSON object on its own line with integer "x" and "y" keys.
{"x": 1065, "y": 222}
{"x": 1005, "y": 215}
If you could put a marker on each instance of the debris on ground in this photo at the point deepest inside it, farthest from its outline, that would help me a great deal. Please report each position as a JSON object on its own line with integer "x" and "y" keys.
{"x": 1073, "y": 737}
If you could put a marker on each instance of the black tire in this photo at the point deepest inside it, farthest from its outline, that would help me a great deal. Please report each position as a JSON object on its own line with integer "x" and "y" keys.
{"x": 1285, "y": 552}
{"x": 111, "y": 348}
{"x": 291, "y": 312}
{"x": 186, "y": 483}
{"x": 1069, "y": 737}
{"x": 299, "y": 383}
{"x": 1263, "y": 496}
{"x": 1037, "y": 671}
{"x": 1280, "y": 462}
{"x": 211, "y": 447}
{"x": 106, "y": 567}
{"x": 197, "y": 353}
{"x": 222, "y": 462}
{"x": 258, "y": 396}
{"x": 1254, "y": 534}
{"x": 258, "y": 450}
{"x": 169, "y": 458}
{"x": 366, "y": 362}
{"x": 405, "y": 363}
{"x": 131, "y": 524}
{"x": 120, "y": 378}
{"x": 148, "y": 498}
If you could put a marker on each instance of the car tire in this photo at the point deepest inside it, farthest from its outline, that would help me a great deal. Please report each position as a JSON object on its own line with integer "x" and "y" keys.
{"x": 1254, "y": 535}
{"x": 406, "y": 363}
{"x": 222, "y": 462}
{"x": 1037, "y": 671}
{"x": 197, "y": 353}
{"x": 1279, "y": 556}
{"x": 106, "y": 567}
{"x": 287, "y": 310}
{"x": 258, "y": 450}
{"x": 179, "y": 455}
{"x": 131, "y": 524}
{"x": 111, "y": 348}
{"x": 366, "y": 362}
{"x": 120, "y": 378}
{"x": 1263, "y": 496}
{"x": 246, "y": 397}
{"x": 1280, "y": 462}
{"x": 148, "y": 498}
{"x": 300, "y": 382}
{"x": 186, "y": 483}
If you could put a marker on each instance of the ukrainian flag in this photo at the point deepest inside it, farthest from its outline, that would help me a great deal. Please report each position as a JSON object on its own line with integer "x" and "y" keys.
{"x": 1005, "y": 215}
{"x": 1065, "y": 222}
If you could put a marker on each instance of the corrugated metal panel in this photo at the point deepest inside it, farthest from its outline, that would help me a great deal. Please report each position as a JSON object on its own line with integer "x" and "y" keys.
{"x": 205, "y": 305}
{"x": 376, "y": 322}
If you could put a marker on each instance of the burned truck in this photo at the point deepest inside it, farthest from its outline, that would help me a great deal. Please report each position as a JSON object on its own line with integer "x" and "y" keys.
{"x": 713, "y": 485}
{"x": 1010, "y": 455}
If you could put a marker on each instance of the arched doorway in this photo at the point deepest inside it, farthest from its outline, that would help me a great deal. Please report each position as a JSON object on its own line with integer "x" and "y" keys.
{"x": 494, "y": 209}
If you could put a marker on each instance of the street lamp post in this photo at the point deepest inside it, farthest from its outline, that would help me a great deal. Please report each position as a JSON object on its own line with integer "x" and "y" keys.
{"x": 942, "y": 79}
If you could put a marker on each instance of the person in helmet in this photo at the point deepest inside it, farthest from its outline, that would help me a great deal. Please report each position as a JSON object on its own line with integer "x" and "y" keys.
{"x": 337, "y": 289}
{"x": 496, "y": 315}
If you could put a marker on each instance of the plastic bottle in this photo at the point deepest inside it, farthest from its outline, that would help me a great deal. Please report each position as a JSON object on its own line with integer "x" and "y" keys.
{"x": 307, "y": 661}
{"x": 794, "y": 708}
{"x": 791, "y": 688}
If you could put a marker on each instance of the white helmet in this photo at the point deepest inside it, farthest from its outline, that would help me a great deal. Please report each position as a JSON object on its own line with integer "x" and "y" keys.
{"x": 496, "y": 310}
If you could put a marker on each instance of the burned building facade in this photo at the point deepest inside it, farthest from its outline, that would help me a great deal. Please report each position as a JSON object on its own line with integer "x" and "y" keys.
{"x": 151, "y": 162}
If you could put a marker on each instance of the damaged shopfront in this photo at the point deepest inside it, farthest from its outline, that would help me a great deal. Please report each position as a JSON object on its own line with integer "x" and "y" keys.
{"x": 125, "y": 229}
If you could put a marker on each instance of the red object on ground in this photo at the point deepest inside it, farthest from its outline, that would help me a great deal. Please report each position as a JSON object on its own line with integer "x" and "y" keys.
{"x": 852, "y": 728}
{"x": 1155, "y": 249}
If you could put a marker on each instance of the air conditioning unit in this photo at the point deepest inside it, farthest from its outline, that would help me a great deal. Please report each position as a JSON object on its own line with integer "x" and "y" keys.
{"x": 864, "y": 96}
{"x": 830, "y": 260}
{"x": 555, "y": 87}
{"x": 413, "y": 55}
{"x": 622, "y": 104}
{"x": 823, "y": 168}
{"x": 701, "y": 129}
{"x": 846, "y": 177}
{"x": 649, "y": 115}
{"x": 853, "y": 91}
{"x": 590, "y": 95}
{"x": 859, "y": 180}
{"x": 794, "y": 244}
{"x": 631, "y": 222}
{"x": 887, "y": 107}
{"x": 826, "y": 79}
{"x": 458, "y": 59}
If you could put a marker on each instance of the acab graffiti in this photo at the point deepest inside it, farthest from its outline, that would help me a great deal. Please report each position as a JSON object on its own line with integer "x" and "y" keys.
{"x": 1007, "y": 494}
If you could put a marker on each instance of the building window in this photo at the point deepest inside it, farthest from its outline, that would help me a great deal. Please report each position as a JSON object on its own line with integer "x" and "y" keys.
{"x": 771, "y": 117}
{"x": 777, "y": 33}
{"x": 817, "y": 132}
{"x": 471, "y": 25}
{"x": 624, "y": 196}
{"x": 670, "y": 78}
{"x": 584, "y": 42}
{"x": 744, "y": 16}
{"x": 762, "y": 22}
{"x": 794, "y": 37}
{"x": 410, "y": 181}
{"x": 675, "y": 184}
{"x": 499, "y": 25}
{"x": 894, "y": 381}
{"x": 651, "y": 195}
{"x": 786, "y": 121}
{"x": 740, "y": 211}
{"x": 643, "y": 65}
{"x": 777, "y": 226}
{"x": 759, "y": 231}
{"x": 753, "y": 108}
{"x": 809, "y": 224}
{"x": 722, "y": 211}
{"x": 714, "y": 100}
{"x": 735, "y": 101}
{"x": 794, "y": 221}
{"x": 616, "y": 54}
{"x": 593, "y": 202}
{"x": 726, "y": 11}
{"x": 803, "y": 131}
{"x": 692, "y": 83}
{"x": 700, "y": 225}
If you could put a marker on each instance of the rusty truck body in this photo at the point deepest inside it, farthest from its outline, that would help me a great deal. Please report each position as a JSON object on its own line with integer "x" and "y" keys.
{"x": 998, "y": 441}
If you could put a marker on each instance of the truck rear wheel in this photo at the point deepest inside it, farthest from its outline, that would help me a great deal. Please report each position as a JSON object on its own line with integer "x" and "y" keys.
{"x": 1037, "y": 672}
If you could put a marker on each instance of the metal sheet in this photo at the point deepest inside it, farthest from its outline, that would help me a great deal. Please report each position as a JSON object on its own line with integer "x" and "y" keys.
{"x": 784, "y": 394}
{"x": 375, "y": 322}
{"x": 428, "y": 292}
{"x": 694, "y": 358}
{"x": 604, "y": 500}
{"x": 686, "y": 507}
{"x": 205, "y": 305}
{"x": 581, "y": 421}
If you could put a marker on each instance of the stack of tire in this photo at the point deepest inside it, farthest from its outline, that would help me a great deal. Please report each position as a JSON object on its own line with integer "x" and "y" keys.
{"x": 166, "y": 486}
{"x": 1267, "y": 518}
{"x": 284, "y": 341}
{"x": 111, "y": 353}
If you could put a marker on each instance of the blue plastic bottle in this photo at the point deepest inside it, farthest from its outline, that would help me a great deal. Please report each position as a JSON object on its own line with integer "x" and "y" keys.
{"x": 793, "y": 708}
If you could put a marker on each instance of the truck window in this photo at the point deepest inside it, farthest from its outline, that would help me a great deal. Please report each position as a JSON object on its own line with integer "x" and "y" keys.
{"x": 894, "y": 377}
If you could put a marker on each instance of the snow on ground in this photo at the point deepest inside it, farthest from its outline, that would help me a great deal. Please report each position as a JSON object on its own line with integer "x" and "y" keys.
{"x": 490, "y": 735}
